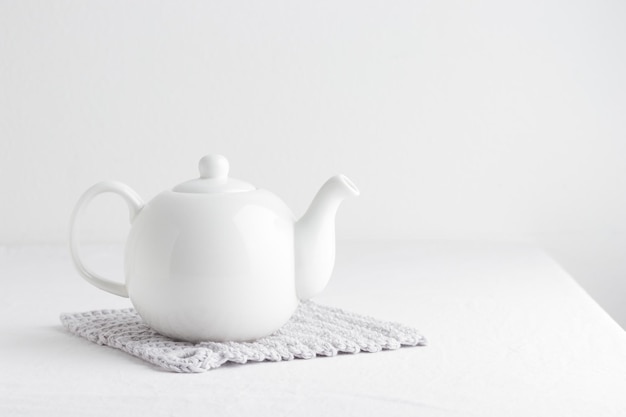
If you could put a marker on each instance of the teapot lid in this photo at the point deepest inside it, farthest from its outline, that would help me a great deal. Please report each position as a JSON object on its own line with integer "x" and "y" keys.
{"x": 213, "y": 178}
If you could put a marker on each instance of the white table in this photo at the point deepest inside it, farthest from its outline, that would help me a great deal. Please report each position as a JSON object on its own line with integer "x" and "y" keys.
{"x": 511, "y": 334}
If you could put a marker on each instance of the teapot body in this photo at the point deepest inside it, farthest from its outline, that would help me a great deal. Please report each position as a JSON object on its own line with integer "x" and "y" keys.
{"x": 212, "y": 266}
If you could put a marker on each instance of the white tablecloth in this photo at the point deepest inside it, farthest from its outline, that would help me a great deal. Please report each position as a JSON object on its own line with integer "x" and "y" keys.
{"x": 511, "y": 334}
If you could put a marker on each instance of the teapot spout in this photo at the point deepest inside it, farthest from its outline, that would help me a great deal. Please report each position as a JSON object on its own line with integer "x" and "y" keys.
{"x": 315, "y": 237}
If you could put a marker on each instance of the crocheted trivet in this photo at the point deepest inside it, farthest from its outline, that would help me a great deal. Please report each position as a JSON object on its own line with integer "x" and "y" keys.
{"x": 313, "y": 330}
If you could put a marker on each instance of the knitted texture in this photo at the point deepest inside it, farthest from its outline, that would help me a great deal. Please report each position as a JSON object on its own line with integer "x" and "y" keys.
{"x": 313, "y": 330}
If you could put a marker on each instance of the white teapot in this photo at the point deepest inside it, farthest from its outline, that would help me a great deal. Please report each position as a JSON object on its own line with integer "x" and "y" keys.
{"x": 215, "y": 258}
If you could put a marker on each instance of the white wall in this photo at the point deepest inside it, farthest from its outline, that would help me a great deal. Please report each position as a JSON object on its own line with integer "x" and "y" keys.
{"x": 463, "y": 120}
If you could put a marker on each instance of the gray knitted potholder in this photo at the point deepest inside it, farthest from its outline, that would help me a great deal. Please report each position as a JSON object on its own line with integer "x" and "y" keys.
{"x": 313, "y": 330}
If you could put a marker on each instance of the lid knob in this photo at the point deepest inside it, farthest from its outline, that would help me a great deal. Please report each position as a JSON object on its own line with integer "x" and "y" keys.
{"x": 213, "y": 166}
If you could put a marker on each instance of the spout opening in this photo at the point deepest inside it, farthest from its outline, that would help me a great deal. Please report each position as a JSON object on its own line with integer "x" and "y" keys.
{"x": 353, "y": 188}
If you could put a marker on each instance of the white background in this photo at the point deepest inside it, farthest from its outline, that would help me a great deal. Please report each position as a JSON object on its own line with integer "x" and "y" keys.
{"x": 481, "y": 120}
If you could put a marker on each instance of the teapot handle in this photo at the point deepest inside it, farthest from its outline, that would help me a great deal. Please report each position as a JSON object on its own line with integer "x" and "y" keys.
{"x": 135, "y": 204}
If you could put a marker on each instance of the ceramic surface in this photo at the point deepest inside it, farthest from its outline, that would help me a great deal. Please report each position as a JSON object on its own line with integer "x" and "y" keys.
{"x": 217, "y": 259}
